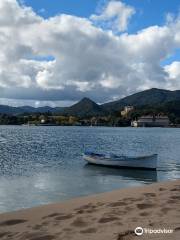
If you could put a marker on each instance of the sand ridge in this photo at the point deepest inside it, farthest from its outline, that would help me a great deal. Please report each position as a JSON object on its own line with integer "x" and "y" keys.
{"x": 108, "y": 216}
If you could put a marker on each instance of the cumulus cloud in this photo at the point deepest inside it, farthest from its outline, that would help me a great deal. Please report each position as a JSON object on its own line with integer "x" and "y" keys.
{"x": 86, "y": 60}
{"x": 115, "y": 15}
{"x": 173, "y": 71}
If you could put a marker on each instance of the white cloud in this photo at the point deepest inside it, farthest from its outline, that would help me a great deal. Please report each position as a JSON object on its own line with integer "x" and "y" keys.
{"x": 116, "y": 15}
{"x": 88, "y": 61}
{"x": 173, "y": 71}
{"x": 22, "y": 102}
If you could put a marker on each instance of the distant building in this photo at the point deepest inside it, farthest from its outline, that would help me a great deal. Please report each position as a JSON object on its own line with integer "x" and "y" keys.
{"x": 151, "y": 121}
{"x": 126, "y": 110}
{"x": 43, "y": 121}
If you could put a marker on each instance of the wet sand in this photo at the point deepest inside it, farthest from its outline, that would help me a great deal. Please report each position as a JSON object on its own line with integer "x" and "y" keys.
{"x": 108, "y": 216}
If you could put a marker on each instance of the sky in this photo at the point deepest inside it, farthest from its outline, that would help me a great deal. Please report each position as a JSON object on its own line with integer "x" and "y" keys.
{"x": 57, "y": 53}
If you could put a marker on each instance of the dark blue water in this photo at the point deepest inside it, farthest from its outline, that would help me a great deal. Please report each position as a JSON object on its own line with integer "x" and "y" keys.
{"x": 41, "y": 165}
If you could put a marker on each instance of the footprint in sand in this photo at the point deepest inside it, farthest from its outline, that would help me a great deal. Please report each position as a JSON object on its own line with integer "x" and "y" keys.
{"x": 91, "y": 210}
{"x": 165, "y": 210}
{"x": 108, "y": 219}
{"x": 79, "y": 222}
{"x": 145, "y": 205}
{"x": 172, "y": 201}
{"x": 80, "y": 211}
{"x": 100, "y": 204}
{"x": 12, "y": 222}
{"x": 57, "y": 217}
{"x": 44, "y": 237}
{"x": 51, "y": 215}
{"x": 67, "y": 229}
{"x": 128, "y": 235}
{"x": 89, "y": 230}
{"x": 177, "y": 229}
{"x": 144, "y": 214}
{"x": 38, "y": 236}
{"x": 117, "y": 204}
{"x": 132, "y": 200}
{"x": 150, "y": 195}
{"x": 87, "y": 206}
{"x": 134, "y": 219}
{"x": 115, "y": 211}
{"x": 3, "y": 234}
{"x": 45, "y": 223}
{"x": 37, "y": 227}
{"x": 127, "y": 209}
{"x": 64, "y": 217}
{"x": 174, "y": 189}
{"x": 175, "y": 197}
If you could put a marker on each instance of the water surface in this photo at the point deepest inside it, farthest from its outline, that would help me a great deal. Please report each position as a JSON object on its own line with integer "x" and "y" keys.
{"x": 40, "y": 165}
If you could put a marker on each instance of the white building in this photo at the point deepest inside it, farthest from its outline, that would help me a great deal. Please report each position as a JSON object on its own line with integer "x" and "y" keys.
{"x": 151, "y": 121}
{"x": 43, "y": 121}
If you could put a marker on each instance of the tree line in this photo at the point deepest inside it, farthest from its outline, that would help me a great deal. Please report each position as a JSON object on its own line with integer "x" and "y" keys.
{"x": 171, "y": 109}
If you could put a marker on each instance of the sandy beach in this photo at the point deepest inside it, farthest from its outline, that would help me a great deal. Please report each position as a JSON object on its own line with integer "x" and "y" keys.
{"x": 108, "y": 216}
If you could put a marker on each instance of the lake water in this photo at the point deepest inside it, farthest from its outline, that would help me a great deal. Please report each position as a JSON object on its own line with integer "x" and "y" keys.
{"x": 40, "y": 165}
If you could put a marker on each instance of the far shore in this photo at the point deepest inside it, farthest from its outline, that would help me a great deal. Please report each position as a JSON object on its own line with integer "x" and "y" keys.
{"x": 108, "y": 216}
{"x": 56, "y": 125}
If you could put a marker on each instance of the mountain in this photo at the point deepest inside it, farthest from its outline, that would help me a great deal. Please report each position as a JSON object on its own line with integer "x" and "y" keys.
{"x": 147, "y": 97}
{"x": 33, "y": 110}
{"x": 4, "y": 109}
{"x": 84, "y": 108}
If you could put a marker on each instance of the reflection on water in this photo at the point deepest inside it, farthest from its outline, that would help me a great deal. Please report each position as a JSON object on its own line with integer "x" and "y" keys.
{"x": 42, "y": 165}
{"x": 131, "y": 174}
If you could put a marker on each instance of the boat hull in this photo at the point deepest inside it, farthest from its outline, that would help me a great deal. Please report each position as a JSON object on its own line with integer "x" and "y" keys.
{"x": 147, "y": 162}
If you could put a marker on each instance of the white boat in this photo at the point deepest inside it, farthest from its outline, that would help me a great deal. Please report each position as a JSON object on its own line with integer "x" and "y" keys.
{"x": 146, "y": 162}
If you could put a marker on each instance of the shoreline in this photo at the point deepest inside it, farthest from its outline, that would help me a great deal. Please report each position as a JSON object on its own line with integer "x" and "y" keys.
{"x": 55, "y": 125}
{"x": 111, "y": 215}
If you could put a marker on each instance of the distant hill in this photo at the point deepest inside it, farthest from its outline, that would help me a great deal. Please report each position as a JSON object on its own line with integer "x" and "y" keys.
{"x": 4, "y": 109}
{"x": 170, "y": 108}
{"x": 86, "y": 107}
{"x": 147, "y": 97}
